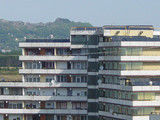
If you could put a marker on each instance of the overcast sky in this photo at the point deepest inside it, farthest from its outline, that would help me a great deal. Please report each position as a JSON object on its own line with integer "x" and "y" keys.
{"x": 97, "y": 12}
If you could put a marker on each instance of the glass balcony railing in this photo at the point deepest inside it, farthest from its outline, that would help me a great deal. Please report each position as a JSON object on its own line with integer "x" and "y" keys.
{"x": 86, "y": 28}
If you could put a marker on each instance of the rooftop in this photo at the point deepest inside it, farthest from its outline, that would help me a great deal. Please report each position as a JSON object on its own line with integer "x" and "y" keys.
{"x": 129, "y": 27}
{"x": 48, "y": 40}
{"x": 86, "y": 28}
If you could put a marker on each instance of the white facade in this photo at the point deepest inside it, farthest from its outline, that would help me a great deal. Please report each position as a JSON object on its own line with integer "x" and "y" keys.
{"x": 54, "y": 85}
{"x": 79, "y": 80}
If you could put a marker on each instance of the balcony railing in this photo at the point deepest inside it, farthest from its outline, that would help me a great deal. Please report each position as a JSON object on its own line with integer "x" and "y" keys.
{"x": 85, "y": 28}
{"x": 43, "y": 98}
{"x": 42, "y": 111}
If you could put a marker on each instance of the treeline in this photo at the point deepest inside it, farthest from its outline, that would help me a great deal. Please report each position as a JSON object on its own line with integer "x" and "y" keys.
{"x": 12, "y": 32}
{"x": 9, "y": 61}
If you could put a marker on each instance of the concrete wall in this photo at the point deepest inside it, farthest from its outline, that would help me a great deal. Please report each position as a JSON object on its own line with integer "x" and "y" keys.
{"x": 42, "y": 78}
{"x": 147, "y": 33}
{"x": 151, "y": 66}
{"x": 151, "y": 52}
{"x": 61, "y": 65}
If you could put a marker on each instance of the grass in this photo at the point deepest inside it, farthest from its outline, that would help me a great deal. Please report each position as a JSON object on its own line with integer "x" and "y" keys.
{"x": 13, "y": 78}
{"x": 10, "y": 74}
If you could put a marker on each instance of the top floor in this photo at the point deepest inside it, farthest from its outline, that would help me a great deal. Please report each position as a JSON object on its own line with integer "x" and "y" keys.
{"x": 115, "y": 30}
{"x": 86, "y": 31}
{"x": 83, "y": 37}
{"x": 128, "y": 27}
{"x": 128, "y": 30}
{"x": 45, "y": 43}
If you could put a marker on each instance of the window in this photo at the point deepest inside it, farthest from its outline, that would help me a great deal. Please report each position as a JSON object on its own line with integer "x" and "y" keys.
{"x": 79, "y": 65}
{"x": 32, "y": 78}
{"x": 61, "y": 105}
{"x": 1, "y": 104}
{"x": 61, "y": 78}
{"x": 79, "y": 39}
{"x": 47, "y": 65}
{"x": 76, "y": 52}
{"x": 32, "y": 65}
{"x": 69, "y": 92}
{"x": 83, "y": 79}
{"x": 15, "y": 105}
{"x": 49, "y": 52}
{"x": 79, "y": 79}
{"x": 61, "y": 51}
{"x": 49, "y": 78}
{"x": 32, "y": 92}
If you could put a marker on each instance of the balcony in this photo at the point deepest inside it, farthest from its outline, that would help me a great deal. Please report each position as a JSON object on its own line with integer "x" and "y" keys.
{"x": 130, "y": 44}
{"x": 51, "y": 71}
{"x": 130, "y": 58}
{"x": 131, "y": 72}
{"x": 41, "y": 85}
{"x": 143, "y": 103}
{"x": 146, "y": 88}
{"x": 53, "y": 58}
{"x": 138, "y": 88}
{"x": 119, "y": 116}
{"x": 44, "y": 98}
{"x": 42, "y": 111}
{"x": 10, "y": 91}
{"x": 115, "y": 87}
{"x": 44, "y": 45}
{"x": 117, "y": 101}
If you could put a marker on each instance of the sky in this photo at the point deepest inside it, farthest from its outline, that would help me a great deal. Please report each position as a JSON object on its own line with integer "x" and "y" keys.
{"x": 96, "y": 12}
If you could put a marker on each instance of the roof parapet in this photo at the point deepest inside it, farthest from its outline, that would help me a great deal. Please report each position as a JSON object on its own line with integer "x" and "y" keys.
{"x": 129, "y": 27}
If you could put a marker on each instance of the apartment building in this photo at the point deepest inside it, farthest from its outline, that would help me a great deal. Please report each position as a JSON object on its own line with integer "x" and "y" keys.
{"x": 57, "y": 78}
{"x": 101, "y": 73}
{"x": 129, "y": 73}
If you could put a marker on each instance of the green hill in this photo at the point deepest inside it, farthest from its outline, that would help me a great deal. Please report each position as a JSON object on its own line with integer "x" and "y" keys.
{"x": 11, "y": 32}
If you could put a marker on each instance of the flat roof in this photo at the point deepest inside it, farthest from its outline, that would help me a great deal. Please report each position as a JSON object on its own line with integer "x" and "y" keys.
{"x": 48, "y": 40}
{"x": 129, "y": 27}
{"x": 86, "y": 28}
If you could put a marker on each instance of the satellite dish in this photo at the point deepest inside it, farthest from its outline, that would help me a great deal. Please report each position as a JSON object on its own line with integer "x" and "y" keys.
{"x": 99, "y": 81}
{"x": 150, "y": 82}
{"x": 51, "y": 36}
{"x": 101, "y": 67}
{"x": 52, "y": 81}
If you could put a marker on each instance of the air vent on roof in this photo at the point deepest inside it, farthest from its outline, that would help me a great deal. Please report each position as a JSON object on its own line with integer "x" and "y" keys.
{"x": 140, "y": 33}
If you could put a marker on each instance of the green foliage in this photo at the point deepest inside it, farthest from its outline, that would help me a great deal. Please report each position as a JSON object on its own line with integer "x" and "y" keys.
{"x": 9, "y": 61}
{"x": 12, "y": 32}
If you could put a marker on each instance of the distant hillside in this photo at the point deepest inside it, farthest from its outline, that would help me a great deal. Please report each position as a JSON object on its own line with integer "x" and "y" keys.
{"x": 11, "y": 32}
